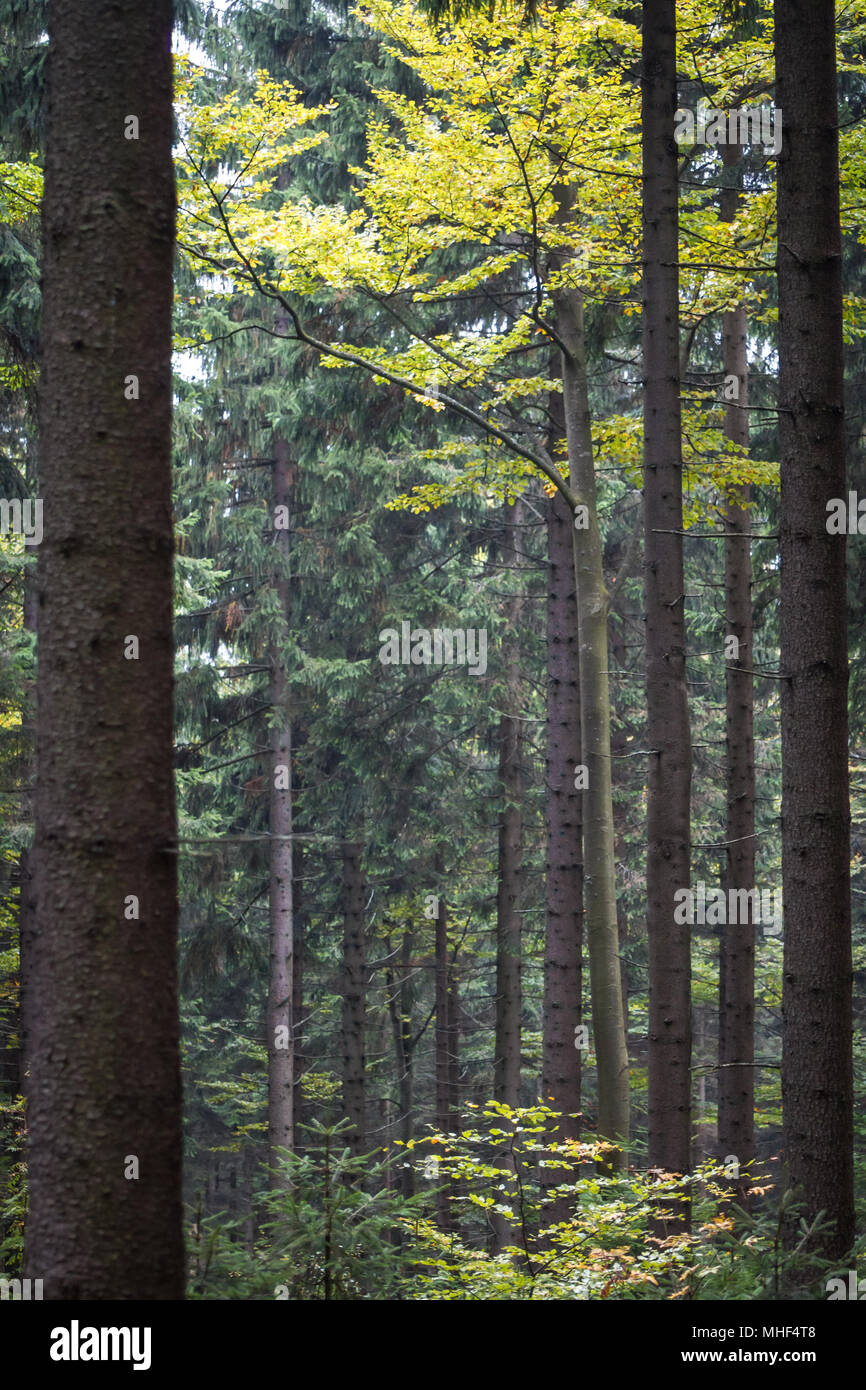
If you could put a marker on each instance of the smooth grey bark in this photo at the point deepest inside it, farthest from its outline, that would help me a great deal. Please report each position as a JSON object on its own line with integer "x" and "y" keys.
{"x": 593, "y": 601}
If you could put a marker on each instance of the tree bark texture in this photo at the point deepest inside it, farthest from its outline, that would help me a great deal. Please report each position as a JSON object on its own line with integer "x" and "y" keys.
{"x": 100, "y": 997}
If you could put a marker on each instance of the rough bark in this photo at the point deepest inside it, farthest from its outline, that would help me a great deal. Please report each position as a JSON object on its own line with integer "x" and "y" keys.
{"x": 298, "y": 1019}
{"x": 445, "y": 1119}
{"x": 443, "y": 1019}
{"x": 280, "y": 1030}
{"x": 400, "y": 1010}
{"x": 506, "y": 1084}
{"x": 354, "y": 998}
{"x": 736, "y": 1089}
{"x": 563, "y": 968}
{"x": 561, "y": 1059}
{"x": 669, "y": 761}
{"x": 816, "y": 1001}
{"x": 100, "y": 995}
{"x": 509, "y": 998}
{"x": 454, "y": 1040}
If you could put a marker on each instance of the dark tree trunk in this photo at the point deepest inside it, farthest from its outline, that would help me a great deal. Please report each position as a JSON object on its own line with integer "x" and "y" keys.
{"x": 400, "y": 1009}
{"x": 104, "y": 1095}
{"x": 506, "y": 1085}
{"x": 509, "y": 998}
{"x": 561, "y": 1059}
{"x": 300, "y": 1063}
{"x": 736, "y": 1093}
{"x": 280, "y": 1030}
{"x": 562, "y": 1011}
{"x": 454, "y": 1040}
{"x": 354, "y": 998}
{"x": 445, "y": 1119}
{"x": 669, "y": 761}
{"x": 12, "y": 1056}
{"x": 816, "y": 1001}
{"x": 443, "y": 1020}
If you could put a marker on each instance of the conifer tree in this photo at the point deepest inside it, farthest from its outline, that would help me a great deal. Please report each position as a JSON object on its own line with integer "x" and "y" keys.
{"x": 100, "y": 994}
{"x": 817, "y": 1098}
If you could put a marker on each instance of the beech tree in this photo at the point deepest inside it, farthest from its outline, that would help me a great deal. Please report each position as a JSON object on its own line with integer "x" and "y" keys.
{"x": 418, "y": 309}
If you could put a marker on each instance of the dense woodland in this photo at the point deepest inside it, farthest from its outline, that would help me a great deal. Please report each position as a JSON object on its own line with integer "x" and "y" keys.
{"x": 432, "y": 709}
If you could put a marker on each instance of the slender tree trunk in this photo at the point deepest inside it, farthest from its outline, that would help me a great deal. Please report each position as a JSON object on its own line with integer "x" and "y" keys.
{"x": 454, "y": 1040}
{"x": 593, "y": 601}
{"x": 669, "y": 770}
{"x": 736, "y": 1093}
{"x": 608, "y": 1019}
{"x": 280, "y": 1030}
{"x": 561, "y": 1057}
{"x": 509, "y": 999}
{"x": 443, "y": 1020}
{"x": 817, "y": 1099}
{"x": 562, "y": 1010}
{"x": 506, "y": 1086}
{"x": 298, "y": 1020}
{"x": 100, "y": 997}
{"x": 400, "y": 1009}
{"x": 354, "y": 998}
{"x": 12, "y": 1078}
{"x": 445, "y": 1121}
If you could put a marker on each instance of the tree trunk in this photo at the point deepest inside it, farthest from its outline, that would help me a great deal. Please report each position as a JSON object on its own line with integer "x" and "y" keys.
{"x": 400, "y": 1009}
{"x": 280, "y": 1031}
{"x": 506, "y": 1086}
{"x": 354, "y": 998}
{"x": 562, "y": 1010}
{"x": 509, "y": 1000}
{"x": 454, "y": 1040}
{"x": 100, "y": 997}
{"x": 445, "y": 1120}
{"x": 608, "y": 1019}
{"x": 817, "y": 1100}
{"x": 561, "y": 1057}
{"x": 669, "y": 770}
{"x": 298, "y": 1020}
{"x": 736, "y": 1091}
{"x": 593, "y": 601}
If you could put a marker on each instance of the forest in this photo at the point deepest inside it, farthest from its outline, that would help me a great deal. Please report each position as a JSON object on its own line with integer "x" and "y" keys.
{"x": 432, "y": 652}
